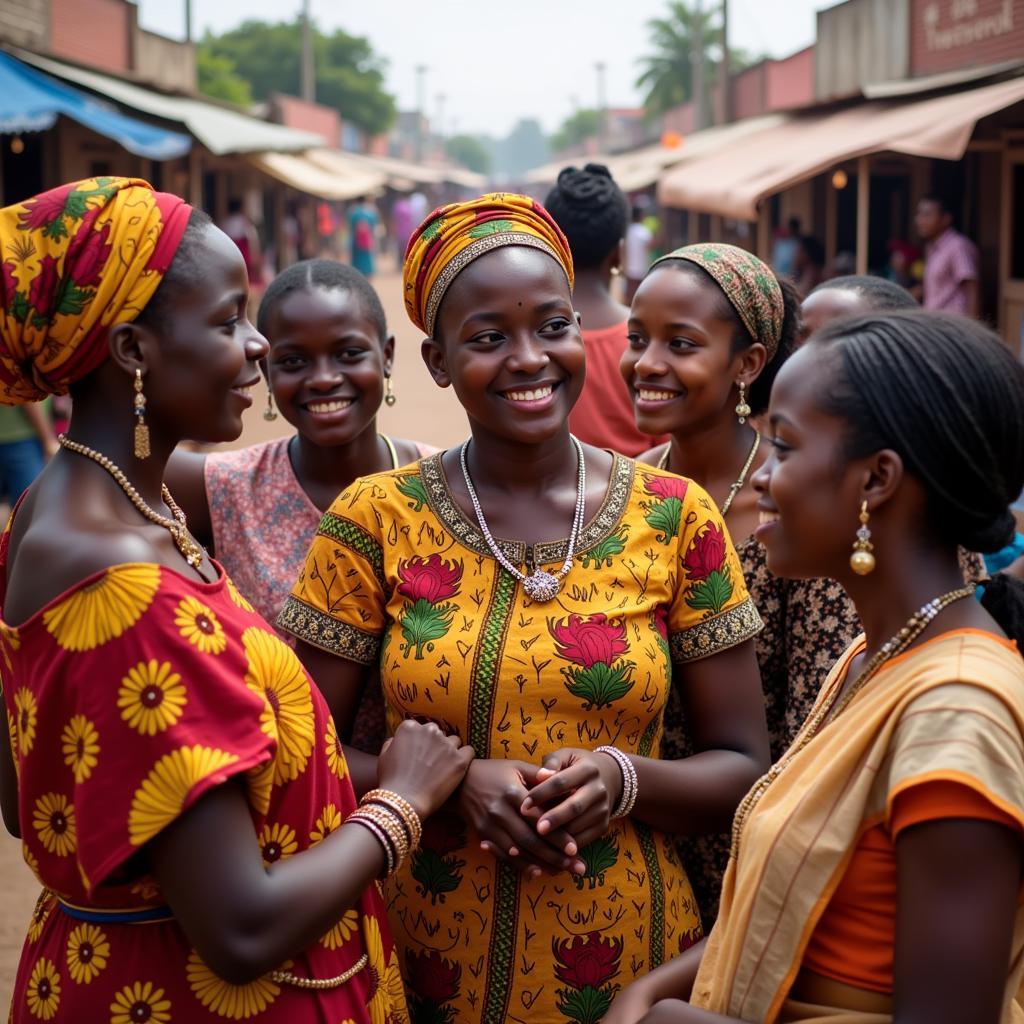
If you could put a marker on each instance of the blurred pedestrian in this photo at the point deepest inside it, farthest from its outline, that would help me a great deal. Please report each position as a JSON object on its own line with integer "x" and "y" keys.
{"x": 591, "y": 209}
{"x": 362, "y": 236}
{"x": 638, "y": 251}
{"x": 402, "y": 224}
{"x": 951, "y": 268}
{"x": 241, "y": 230}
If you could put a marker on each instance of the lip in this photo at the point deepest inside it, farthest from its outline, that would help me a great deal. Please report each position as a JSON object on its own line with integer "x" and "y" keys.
{"x": 329, "y": 408}
{"x": 244, "y": 391}
{"x": 768, "y": 519}
{"x": 545, "y": 388}
{"x": 648, "y": 403}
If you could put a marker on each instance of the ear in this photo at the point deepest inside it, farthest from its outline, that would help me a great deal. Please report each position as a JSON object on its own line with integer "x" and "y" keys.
{"x": 388, "y": 349}
{"x": 881, "y": 477}
{"x": 132, "y": 346}
{"x": 433, "y": 357}
{"x": 750, "y": 363}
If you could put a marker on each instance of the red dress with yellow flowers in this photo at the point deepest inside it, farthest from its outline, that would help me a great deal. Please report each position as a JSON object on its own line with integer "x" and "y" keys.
{"x": 128, "y": 697}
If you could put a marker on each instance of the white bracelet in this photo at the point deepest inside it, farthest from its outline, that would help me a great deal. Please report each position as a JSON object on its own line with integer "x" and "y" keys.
{"x": 630, "y": 787}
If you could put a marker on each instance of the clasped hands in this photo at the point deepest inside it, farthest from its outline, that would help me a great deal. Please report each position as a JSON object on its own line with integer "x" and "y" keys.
{"x": 539, "y": 817}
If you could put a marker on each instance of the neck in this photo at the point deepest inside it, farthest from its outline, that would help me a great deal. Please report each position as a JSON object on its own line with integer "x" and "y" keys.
{"x": 711, "y": 452}
{"x": 899, "y": 587}
{"x": 336, "y": 467}
{"x": 114, "y": 437}
{"x": 500, "y": 464}
{"x": 593, "y": 299}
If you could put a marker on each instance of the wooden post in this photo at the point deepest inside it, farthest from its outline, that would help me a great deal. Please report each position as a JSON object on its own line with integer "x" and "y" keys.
{"x": 863, "y": 211}
{"x": 831, "y": 232}
{"x": 195, "y": 177}
{"x": 764, "y": 233}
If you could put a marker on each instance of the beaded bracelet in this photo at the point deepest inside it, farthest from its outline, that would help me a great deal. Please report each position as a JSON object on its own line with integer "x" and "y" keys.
{"x": 410, "y": 819}
{"x": 630, "y": 786}
{"x": 378, "y": 833}
{"x": 392, "y": 825}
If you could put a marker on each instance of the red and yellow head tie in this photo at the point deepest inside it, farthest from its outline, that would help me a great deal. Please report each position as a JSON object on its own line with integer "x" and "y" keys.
{"x": 455, "y": 235}
{"x": 75, "y": 261}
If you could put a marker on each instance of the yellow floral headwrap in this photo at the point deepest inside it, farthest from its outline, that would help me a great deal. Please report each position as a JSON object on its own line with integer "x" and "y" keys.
{"x": 455, "y": 235}
{"x": 77, "y": 260}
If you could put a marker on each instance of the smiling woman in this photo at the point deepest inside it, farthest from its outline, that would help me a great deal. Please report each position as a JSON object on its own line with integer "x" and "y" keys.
{"x": 537, "y": 597}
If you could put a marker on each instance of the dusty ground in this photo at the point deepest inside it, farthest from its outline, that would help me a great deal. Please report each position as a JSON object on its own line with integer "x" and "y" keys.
{"x": 423, "y": 413}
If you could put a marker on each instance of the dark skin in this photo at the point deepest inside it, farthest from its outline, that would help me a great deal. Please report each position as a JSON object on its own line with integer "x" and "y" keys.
{"x": 681, "y": 350}
{"x": 958, "y": 881}
{"x": 324, "y": 351}
{"x": 828, "y": 304}
{"x": 931, "y": 221}
{"x": 591, "y": 293}
{"x": 242, "y": 918}
{"x": 506, "y": 329}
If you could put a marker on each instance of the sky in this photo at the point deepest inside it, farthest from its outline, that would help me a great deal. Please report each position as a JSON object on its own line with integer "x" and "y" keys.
{"x": 495, "y": 62}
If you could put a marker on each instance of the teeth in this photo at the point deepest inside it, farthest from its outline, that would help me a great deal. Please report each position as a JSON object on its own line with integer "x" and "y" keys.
{"x": 763, "y": 518}
{"x": 247, "y": 391}
{"x": 655, "y": 396}
{"x": 336, "y": 406}
{"x": 530, "y": 396}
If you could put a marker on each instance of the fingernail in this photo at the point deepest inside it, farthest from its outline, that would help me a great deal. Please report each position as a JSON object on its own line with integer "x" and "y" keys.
{"x": 527, "y": 804}
{"x": 486, "y": 847}
{"x": 570, "y": 849}
{"x": 543, "y": 826}
{"x": 579, "y": 868}
{"x": 513, "y": 851}
{"x": 535, "y": 872}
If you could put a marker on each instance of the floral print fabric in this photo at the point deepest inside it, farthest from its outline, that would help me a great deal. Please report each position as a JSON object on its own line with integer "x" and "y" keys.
{"x": 399, "y": 576}
{"x": 128, "y": 698}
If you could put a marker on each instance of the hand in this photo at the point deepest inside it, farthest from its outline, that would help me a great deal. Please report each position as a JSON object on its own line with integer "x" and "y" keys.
{"x": 423, "y": 765}
{"x": 576, "y": 791}
{"x": 490, "y": 799}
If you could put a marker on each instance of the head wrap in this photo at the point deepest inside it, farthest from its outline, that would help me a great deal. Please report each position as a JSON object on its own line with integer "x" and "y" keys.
{"x": 77, "y": 260}
{"x": 749, "y": 284}
{"x": 455, "y": 235}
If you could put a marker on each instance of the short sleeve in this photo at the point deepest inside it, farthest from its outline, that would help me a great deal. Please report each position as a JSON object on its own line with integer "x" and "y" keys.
{"x": 711, "y": 610}
{"x": 938, "y": 801}
{"x": 339, "y": 601}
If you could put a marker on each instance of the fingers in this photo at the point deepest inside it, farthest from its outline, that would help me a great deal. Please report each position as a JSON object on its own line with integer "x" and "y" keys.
{"x": 555, "y": 786}
{"x": 588, "y": 800}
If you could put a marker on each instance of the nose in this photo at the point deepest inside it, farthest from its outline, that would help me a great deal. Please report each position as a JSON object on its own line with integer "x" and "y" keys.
{"x": 325, "y": 374}
{"x": 651, "y": 362}
{"x": 527, "y": 354}
{"x": 256, "y": 346}
{"x": 763, "y": 476}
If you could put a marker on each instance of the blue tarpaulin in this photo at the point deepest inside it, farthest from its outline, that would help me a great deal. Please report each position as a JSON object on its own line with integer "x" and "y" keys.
{"x": 30, "y": 102}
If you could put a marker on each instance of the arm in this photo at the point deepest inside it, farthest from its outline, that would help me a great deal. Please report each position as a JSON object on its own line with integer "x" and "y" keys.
{"x": 958, "y": 885}
{"x": 972, "y": 298}
{"x": 185, "y": 477}
{"x": 672, "y": 980}
{"x": 35, "y": 413}
{"x": 8, "y": 784}
{"x": 245, "y": 919}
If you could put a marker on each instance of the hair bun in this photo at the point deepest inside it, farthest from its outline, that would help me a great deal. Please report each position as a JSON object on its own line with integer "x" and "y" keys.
{"x": 593, "y": 184}
{"x": 991, "y": 536}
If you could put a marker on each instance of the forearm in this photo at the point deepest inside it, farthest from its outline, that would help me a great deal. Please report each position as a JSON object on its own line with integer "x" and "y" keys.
{"x": 694, "y": 795}
{"x": 674, "y": 979}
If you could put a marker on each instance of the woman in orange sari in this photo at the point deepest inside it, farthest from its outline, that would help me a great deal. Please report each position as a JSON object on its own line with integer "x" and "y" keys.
{"x": 876, "y": 869}
{"x": 173, "y": 774}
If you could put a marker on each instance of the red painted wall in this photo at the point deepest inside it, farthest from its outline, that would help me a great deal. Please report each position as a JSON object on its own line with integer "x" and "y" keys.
{"x": 790, "y": 82}
{"x": 949, "y": 34}
{"x": 94, "y": 32}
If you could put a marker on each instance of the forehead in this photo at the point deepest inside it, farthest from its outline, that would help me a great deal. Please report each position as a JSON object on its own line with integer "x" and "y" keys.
{"x": 683, "y": 294}
{"x": 829, "y": 304}
{"x": 315, "y": 306}
{"x": 214, "y": 264}
{"x": 799, "y": 383}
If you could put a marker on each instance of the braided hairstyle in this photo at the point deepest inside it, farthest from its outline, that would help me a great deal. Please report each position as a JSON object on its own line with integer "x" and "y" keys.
{"x": 327, "y": 274}
{"x": 945, "y": 393}
{"x": 761, "y": 389}
{"x": 877, "y": 292}
{"x": 592, "y": 211}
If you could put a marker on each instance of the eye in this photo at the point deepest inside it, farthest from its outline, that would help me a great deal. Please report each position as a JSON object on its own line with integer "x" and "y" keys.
{"x": 231, "y": 323}
{"x": 290, "y": 362}
{"x": 557, "y": 326}
{"x": 352, "y": 353}
{"x": 635, "y": 340}
{"x": 487, "y": 338}
{"x": 779, "y": 446}
{"x": 682, "y": 343}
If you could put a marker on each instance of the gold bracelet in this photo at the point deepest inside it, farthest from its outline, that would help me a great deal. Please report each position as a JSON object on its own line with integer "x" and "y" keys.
{"x": 389, "y": 823}
{"x": 287, "y": 978}
{"x": 411, "y": 820}
{"x": 378, "y": 833}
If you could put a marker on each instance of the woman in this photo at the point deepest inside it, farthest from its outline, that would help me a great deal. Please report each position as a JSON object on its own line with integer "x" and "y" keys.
{"x": 851, "y": 295}
{"x": 152, "y": 712}
{"x": 362, "y": 233}
{"x": 328, "y": 369}
{"x": 551, "y": 880}
{"x": 876, "y": 869}
{"x": 591, "y": 209}
{"x": 710, "y": 328}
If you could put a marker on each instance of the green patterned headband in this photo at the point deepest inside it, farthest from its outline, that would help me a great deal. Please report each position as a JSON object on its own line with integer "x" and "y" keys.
{"x": 748, "y": 283}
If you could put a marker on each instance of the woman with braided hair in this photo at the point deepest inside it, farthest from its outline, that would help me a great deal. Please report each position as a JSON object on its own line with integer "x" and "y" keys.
{"x": 876, "y": 869}
{"x": 592, "y": 211}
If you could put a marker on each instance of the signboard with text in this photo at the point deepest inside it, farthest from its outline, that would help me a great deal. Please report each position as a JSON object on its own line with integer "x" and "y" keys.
{"x": 946, "y": 35}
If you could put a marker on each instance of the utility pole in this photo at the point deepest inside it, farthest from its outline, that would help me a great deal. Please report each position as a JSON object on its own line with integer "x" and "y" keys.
{"x": 421, "y": 114}
{"x": 725, "y": 71}
{"x": 439, "y": 130}
{"x": 308, "y": 67}
{"x": 602, "y": 107}
{"x": 697, "y": 64}
{"x": 188, "y": 21}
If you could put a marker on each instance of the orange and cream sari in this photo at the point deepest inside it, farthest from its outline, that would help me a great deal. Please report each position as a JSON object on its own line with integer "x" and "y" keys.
{"x": 951, "y": 709}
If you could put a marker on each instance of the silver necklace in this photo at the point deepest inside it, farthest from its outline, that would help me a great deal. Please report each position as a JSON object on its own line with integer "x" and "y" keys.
{"x": 540, "y": 585}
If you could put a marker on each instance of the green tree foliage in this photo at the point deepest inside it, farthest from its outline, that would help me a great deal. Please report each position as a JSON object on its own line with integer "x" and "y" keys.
{"x": 575, "y": 128}
{"x": 667, "y": 76}
{"x": 349, "y": 75}
{"x": 217, "y": 78}
{"x": 470, "y": 152}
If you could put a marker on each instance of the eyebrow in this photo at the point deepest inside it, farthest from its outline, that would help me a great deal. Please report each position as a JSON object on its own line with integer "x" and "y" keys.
{"x": 494, "y": 317}
{"x": 677, "y": 325}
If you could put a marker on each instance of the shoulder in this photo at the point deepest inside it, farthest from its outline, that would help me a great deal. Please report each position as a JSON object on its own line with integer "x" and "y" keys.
{"x": 235, "y": 459}
{"x": 654, "y": 455}
{"x": 411, "y": 451}
{"x": 394, "y": 490}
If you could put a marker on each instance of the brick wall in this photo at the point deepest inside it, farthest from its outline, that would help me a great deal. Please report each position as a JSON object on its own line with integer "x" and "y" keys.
{"x": 25, "y": 23}
{"x": 94, "y": 32}
{"x": 950, "y": 34}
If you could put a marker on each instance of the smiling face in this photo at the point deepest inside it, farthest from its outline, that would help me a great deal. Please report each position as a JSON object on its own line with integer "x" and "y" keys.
{"x": 204, "y": 363}
{"x": 808, "y": 492}
{"x": 679, "y": 366}
{"x": 507, "y": 340}
{"x": 327, "y": 363}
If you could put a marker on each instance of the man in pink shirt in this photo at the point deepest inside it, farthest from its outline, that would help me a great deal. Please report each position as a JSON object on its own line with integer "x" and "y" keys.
{"x": 951, "y": 260}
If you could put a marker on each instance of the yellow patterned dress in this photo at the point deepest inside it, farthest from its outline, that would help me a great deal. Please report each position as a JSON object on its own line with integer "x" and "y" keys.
{"x": 398, "y": 574}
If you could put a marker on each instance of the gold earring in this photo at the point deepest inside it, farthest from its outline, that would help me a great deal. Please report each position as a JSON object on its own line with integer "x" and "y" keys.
{"x": 862, "y": 561}
{"x": 389, "y": 392}
{"x": 616, "y": 271}
{"x": 742, "y": 409}
{"x": 269, "y": 414}
{"x": 141, "y": 430}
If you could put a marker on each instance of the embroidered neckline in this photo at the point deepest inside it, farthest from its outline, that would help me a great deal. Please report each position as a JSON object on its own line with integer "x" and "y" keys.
{"x": 603, "y": 523}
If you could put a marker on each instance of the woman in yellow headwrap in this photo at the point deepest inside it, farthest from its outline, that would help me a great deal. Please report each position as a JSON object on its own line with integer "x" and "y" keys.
{"x": 550, "y": 881}
{"x": 171, "y": 770}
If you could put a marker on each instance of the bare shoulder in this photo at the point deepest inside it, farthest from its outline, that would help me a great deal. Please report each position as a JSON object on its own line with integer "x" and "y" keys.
{"x": 411, "y": 451}
{"x": 653, "y": 456}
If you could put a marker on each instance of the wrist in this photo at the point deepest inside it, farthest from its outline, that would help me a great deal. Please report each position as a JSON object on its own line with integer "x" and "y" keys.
{"x": 628, "y": 779}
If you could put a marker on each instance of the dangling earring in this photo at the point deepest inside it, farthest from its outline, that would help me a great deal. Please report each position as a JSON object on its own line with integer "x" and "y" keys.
{"x": 616, "y": 271}
{"x": 269, "y": 414}
{"x": 141, "y": 430}
{"x": 742, "y": 409}
{"x": 862, "y": 561}
{"x": 389, "y": 392}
